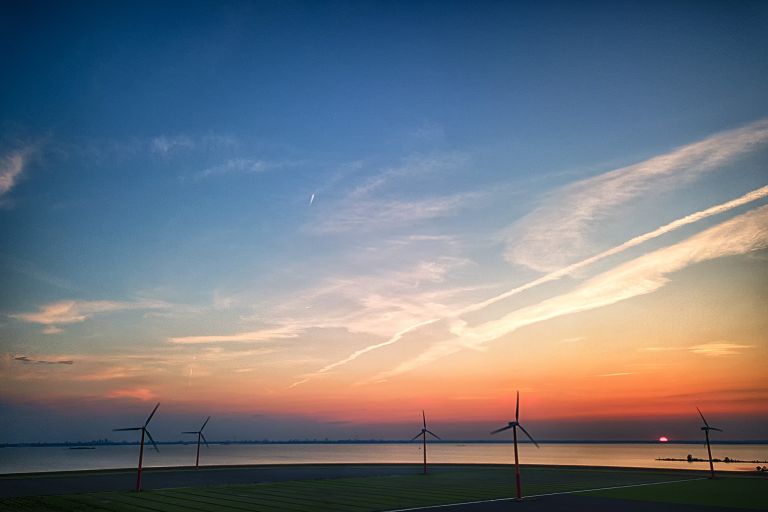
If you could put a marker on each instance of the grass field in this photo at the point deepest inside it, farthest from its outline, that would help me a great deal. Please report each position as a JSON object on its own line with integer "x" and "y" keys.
{"x": 392, "y": 492}
{"x": 749, "y": 493}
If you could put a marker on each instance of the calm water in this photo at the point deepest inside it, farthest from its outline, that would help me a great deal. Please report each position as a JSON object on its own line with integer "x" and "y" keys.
{"x": 14, "y": 460}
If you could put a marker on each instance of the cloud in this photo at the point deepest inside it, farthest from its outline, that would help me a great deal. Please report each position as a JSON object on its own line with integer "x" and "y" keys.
{"x": 377, "y": 304}
{"x": 276, "y": 333}
{"x": 115, "y": 372}
{"x": 552, "y": 276}
{"x": 718, "y": 349}
{"x": 143, "y": 394}
{"x": 375, "y": 203}
{"x": 556, "y": 232}
{"x": 714, "y": 349}
{"x": 25, "y": 359}
{"x": 413, "y": 167}
{"x": 74, "y": 311}
{"x": 165, "y": 145}
{"x": 617, "y": 374}
{"x": 241, "y": 166}
{"x": 12, "y": 166}
{"x": 646, "y": 274}
{"x": 234, "y": 166}
{"x": 370, "y": 348}
{"x": 376, "y": 214}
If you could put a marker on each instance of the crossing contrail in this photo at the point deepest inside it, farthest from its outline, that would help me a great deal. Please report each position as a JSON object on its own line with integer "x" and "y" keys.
{"x": 747, "y": 198}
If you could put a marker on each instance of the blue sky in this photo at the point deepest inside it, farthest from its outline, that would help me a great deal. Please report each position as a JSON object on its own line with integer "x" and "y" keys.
{"x": 249, "y": 194}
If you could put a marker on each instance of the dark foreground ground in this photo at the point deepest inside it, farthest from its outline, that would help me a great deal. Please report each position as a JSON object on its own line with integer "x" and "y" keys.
{"x": 373, "y": 487}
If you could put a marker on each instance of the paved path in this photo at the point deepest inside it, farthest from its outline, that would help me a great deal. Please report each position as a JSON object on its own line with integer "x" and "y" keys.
{"x": 572, "y": 503}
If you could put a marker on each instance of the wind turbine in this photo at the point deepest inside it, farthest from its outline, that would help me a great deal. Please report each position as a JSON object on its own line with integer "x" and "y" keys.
{"x": 199, "y": 437}
{"x": 514, "y": 425}
{"x": 423, "y": 434}
{"x": 706, "y": 428}
{"x": 141, "y": 449}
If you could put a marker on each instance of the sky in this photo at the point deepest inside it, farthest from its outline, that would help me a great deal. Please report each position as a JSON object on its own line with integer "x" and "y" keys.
{"x": 317, "y": 219}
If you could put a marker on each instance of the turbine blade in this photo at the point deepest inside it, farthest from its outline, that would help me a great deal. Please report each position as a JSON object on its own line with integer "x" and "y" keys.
{"x": 124, "y": 429}
{"x": 501, "y": 429}
{"x": 205, "y": 423}
{"x": 204, "y": 440}
{"x": 153, "y": 441}
{"x": 424, "y": 418}
{"x": 718, "y": 429}
{"x": 433, "y": 434}
{"x": 702, "y": 417}
{"x": 189, "y": 432}
{"x": 150, "y": 416}
{"x": 416, "y": 436}
{"x": 529, "y": 436}
{"x": 517, "y": 407}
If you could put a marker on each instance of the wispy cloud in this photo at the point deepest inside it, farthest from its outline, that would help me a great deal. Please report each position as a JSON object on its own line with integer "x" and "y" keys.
{"x": 552, "y": 276}
{"x": 110, "y": 373}
{"x": 375, "y": 203}
{"x": 12, "y": 166}
{"x": 277, "y": 333}
{"x": 75, "y": 311}
{"x": 235, "y": 166}
{"x": 646, "y": 274}
{"x": 713, "y": 349}
{"x": 416, "y": 167}
{"x": 616, "y": 374}
{"x": 165, "y": 145}
{"x": 379, "y": 303}
{"x": 718, "y": 349}
{"x": 394, "y": 339}
{"x": 556, "y": 232}
{"x": 376, "y": 214}
{"x": 143, "y": 394}
{"x": 25, "y": 359}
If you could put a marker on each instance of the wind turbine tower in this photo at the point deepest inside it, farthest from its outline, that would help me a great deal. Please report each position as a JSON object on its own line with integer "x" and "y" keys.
{"x": 514, "y": 425}
{"x": 200, "y": 437}
{"x": 423, "y": 434}
{"x": 706, "y": 428}
{"x": 144, "y": 431}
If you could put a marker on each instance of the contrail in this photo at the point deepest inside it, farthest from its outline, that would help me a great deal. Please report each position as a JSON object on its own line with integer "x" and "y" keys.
{"x": 358, "y": 353}
{"x": 759, "y": 193}
{"x": 747, "y": 198}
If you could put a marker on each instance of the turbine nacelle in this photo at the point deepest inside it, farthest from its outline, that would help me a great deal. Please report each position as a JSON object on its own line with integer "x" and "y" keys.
{"x": 706, "y": 426}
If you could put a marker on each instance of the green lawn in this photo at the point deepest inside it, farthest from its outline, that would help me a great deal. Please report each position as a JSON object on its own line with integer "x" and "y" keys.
{"x": 391, "y": 492}
{"x": 750, "y": 493}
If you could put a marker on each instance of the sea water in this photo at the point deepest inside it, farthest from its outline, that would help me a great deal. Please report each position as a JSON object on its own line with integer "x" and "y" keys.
{"x": 36, "y": 459}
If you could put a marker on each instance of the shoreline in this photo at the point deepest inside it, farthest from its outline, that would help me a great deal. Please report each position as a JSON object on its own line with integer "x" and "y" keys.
{"x": 220, "y": 467}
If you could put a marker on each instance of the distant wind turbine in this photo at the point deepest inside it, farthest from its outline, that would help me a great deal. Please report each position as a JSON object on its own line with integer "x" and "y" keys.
{"x": 144, "y": 430}
{"x": 514, "y": 425}
{"x": 423, "y": 434}
{"x": 706, "y": 428}
{"x": 200, "y": 436}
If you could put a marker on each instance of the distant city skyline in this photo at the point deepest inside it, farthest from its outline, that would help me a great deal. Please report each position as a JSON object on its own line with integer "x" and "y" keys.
{"x": 314, "y": 220}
